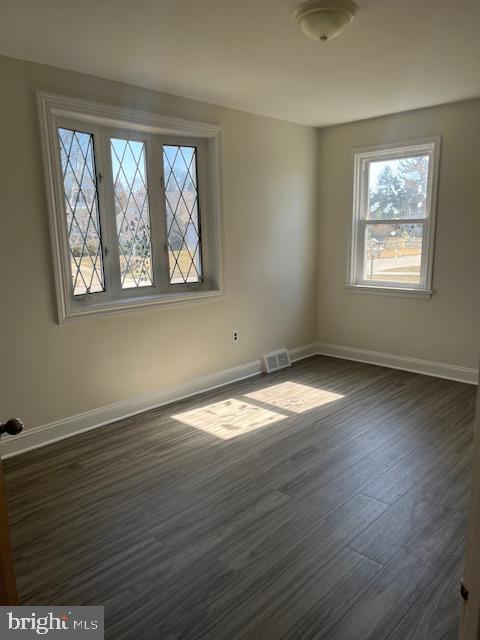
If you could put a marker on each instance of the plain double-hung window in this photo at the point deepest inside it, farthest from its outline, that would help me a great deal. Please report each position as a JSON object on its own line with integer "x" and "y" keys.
{"x": 134, "y": 208}
{"x": 394, "y": 218}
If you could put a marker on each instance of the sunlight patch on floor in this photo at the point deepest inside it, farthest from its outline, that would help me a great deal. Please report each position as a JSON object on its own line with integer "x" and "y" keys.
{"x": 294, "y": 397}
{"x": 235, "y": 417}
{"x": 229, "y": 418}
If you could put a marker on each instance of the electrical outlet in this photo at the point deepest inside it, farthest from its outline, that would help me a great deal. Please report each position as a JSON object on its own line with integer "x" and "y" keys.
{"x": 235, "y": 336}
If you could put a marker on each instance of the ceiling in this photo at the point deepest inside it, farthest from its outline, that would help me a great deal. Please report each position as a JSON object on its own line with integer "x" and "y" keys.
{"x": 250, "y": 55}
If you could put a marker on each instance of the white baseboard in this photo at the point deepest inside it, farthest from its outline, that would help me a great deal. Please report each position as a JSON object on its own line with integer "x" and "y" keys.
{"x": 61, "y": 429}
{"x": 426, "y": 367}
{"x": 46, "y": 434}
{"x": 300, "y": 353}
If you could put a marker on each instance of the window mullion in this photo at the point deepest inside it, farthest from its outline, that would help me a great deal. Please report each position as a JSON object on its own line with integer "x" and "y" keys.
{"x": 425, "y": 253}
{"x": 159, "y": 220}
{"x": 204, "y": 224}
{"x": 364, "y": 190}
{"x": 108, "y": 195}
{"x": 360, "y": 221}
{"x": 361, "y": 256}
{"x": 102, "y": 209}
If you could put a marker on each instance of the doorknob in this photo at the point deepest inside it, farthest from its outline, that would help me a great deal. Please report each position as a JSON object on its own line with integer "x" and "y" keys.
{"x": 13, "y": 427}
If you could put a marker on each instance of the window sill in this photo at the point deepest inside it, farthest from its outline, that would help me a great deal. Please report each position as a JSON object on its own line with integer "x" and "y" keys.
{"x": 74, "y": 312}
{"x": 402, "y": 292}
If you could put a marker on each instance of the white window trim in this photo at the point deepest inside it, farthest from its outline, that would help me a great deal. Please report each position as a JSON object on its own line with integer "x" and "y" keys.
{"x": 54, "y": 108}
{"x": 362, "y": 156}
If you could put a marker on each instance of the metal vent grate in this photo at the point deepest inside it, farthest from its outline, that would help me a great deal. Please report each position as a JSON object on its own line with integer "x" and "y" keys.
{"x": 275, "y": 360}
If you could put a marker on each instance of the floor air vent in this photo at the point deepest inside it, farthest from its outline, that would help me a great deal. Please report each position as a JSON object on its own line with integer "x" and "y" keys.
{"x": 275, "y": 360}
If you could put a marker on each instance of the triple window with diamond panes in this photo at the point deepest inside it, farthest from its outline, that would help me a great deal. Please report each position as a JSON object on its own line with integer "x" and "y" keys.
{"x": 132, "y": 179}
{"x": 394, "y": 209}
{"x": 134, "y": 211}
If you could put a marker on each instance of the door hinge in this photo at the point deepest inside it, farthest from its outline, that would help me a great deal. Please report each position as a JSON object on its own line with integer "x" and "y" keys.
{"x": 464, "y": 591}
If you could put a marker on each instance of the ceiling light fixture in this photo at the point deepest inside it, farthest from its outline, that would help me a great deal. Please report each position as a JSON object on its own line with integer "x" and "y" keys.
{"x": 324, "y": 19}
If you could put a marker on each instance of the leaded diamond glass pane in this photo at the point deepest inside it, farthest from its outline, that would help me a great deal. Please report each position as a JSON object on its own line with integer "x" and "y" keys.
{"x": 183, "y": 221}
{"x": 132, "y": 213}
{"x": 81, "y": 208}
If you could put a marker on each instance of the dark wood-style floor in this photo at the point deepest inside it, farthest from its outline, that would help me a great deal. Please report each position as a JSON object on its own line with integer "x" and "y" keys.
{"x": 327, "y": 501}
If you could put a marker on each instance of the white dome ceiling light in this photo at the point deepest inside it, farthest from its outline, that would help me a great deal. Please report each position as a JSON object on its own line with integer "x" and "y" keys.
{"x": 324, "y": 19}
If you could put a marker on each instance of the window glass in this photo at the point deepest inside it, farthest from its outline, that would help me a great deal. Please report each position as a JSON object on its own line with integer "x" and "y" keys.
{"x": 183, "y": 224}
{"x": 81, "y": 208}
{"x": 393, "y": 252}
{"x": 132, "y": 213}
{"x": 398, "y": 188}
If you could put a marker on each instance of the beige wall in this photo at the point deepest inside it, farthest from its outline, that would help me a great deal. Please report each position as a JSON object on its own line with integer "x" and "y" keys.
{"x": 269, "y": 180}
{"x": 446, "y": 328}
{"x": 272, "y": 174}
